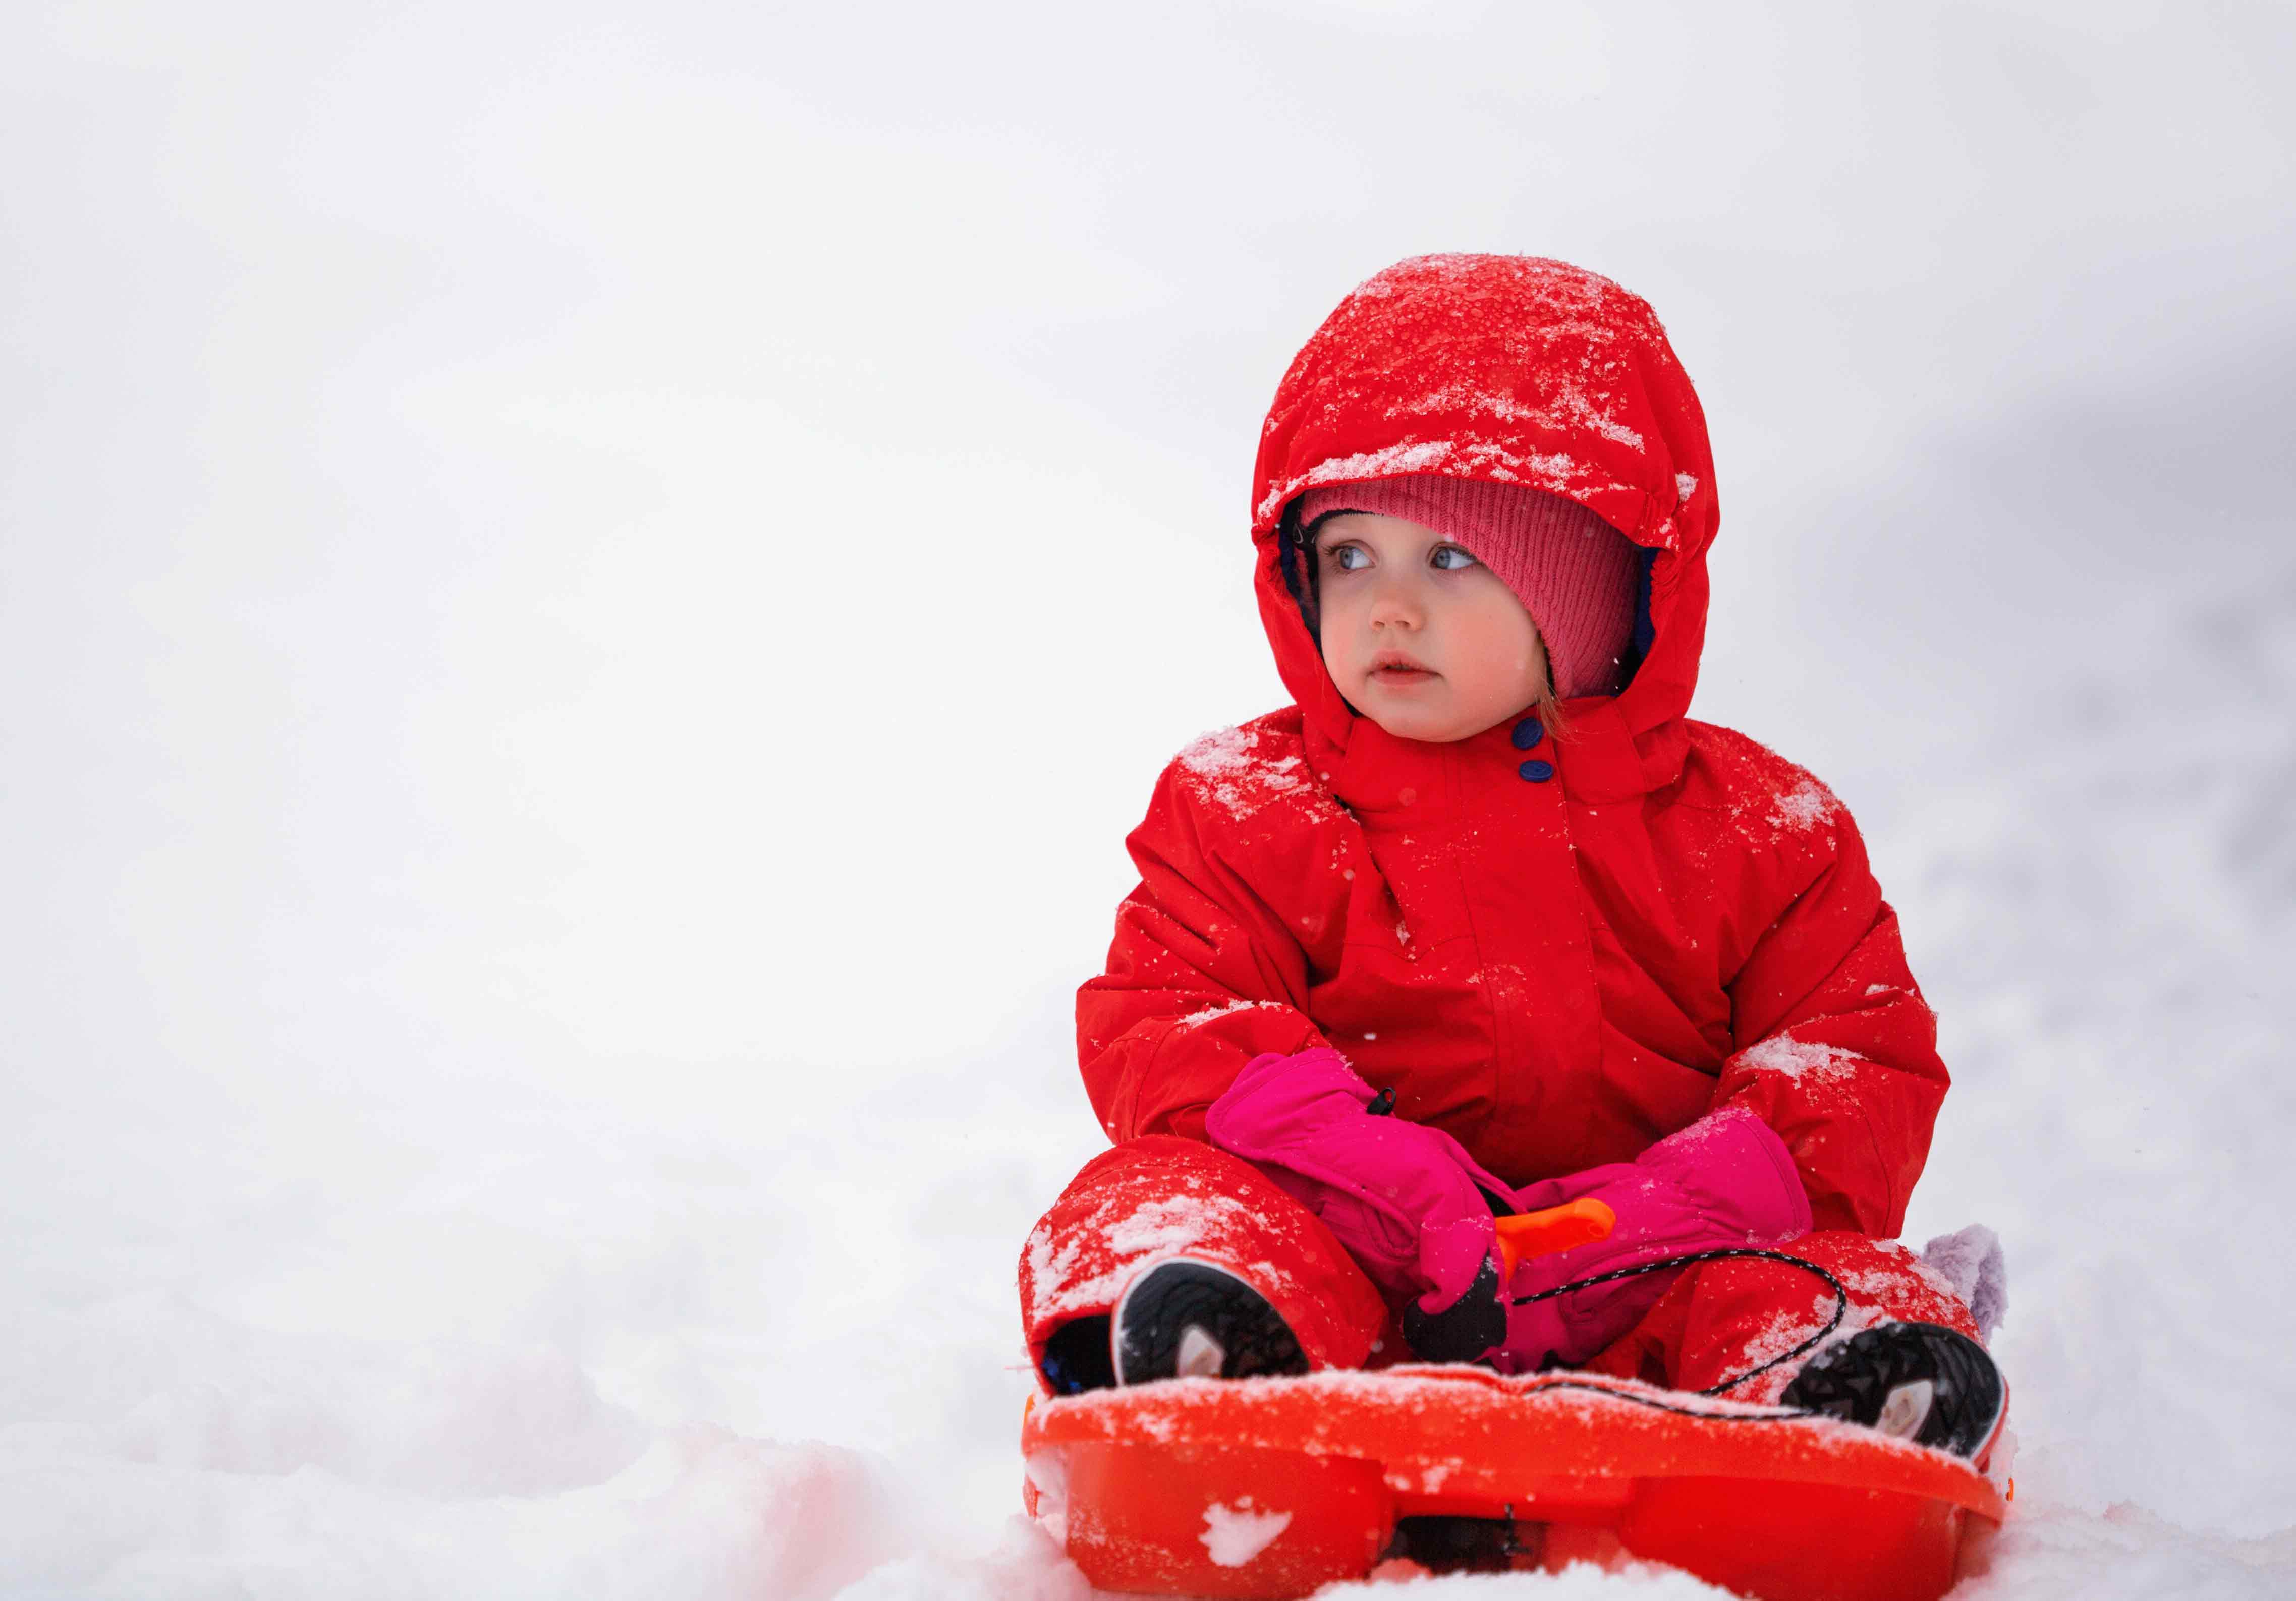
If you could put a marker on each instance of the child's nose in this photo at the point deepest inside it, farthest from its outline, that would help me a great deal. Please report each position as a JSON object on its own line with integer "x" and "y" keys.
{"x": 1395, "y": 604}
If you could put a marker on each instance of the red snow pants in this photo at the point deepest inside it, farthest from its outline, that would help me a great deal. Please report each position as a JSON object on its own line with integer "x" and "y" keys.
{"x": 1160, "y": 1196}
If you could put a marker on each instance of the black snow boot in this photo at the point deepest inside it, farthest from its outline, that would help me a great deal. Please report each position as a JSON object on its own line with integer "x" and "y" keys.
{"x": 1922, "y": 1382}
{"x": 1190, "y": 1320}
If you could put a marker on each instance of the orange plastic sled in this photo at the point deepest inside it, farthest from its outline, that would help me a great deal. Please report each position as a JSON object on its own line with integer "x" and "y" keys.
{"x": 1270, "y": 1488}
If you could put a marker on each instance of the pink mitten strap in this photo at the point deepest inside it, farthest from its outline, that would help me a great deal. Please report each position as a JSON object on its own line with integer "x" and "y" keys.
{"x": 1408, "y": 1203}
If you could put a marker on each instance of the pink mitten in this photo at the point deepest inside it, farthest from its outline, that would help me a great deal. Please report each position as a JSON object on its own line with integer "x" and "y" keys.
{"x": 1726, "y": 1181}
{"x": 1408, "y": 1203}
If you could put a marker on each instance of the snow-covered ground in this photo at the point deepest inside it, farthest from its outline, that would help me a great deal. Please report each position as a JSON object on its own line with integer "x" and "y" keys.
{"x": 461, "y": 1342}
{"x": 584, "y": 608}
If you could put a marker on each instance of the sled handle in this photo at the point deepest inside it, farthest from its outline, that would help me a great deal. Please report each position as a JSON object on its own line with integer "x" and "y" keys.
{"x": 1529, "y": 1233}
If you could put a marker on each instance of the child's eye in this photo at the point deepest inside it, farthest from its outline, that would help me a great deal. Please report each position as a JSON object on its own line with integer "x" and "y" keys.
{"x": 1449, "y": 557}
{"x": 1348, "y": 558}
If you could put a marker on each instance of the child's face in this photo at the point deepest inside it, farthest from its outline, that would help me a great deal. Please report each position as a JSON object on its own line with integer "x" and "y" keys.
{"x": 1422, "y": 638}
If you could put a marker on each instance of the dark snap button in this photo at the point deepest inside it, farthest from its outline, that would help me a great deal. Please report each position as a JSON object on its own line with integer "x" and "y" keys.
{"x": 1528, "y": 732}
{"x": 1538, "y": 772}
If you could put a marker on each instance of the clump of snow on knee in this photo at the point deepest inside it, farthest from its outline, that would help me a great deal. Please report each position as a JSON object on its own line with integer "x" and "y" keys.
{"x": 1166, "y": 1226}
{"x": 1061, "y": 1280}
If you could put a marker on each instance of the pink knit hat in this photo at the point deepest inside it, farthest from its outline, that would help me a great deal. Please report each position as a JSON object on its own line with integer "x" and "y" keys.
{"x": 1573, "y": 572}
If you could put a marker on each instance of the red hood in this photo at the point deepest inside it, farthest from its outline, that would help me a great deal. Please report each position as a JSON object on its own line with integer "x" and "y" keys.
{"x": 1519, "y": 370}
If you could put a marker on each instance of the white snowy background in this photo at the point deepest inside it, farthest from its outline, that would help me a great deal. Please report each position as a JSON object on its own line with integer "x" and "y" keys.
{"x": 588, "y": 593}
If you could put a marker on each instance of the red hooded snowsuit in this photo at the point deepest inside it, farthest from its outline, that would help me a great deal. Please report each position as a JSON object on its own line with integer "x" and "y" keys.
{"x": 1558, "y": 954}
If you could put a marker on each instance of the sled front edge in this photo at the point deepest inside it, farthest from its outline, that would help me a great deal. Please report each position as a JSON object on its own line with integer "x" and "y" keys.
{"x": 1272, "y": 1488}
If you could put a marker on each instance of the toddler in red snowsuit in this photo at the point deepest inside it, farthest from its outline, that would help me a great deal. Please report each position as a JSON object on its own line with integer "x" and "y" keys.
{"x": 1483, "y": 924}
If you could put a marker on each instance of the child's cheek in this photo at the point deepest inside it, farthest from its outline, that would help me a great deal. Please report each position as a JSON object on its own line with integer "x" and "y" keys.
{"x": 1340, "y": 648}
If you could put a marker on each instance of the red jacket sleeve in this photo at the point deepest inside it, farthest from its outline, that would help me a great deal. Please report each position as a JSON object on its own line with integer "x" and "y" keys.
{"x": 1836, "y": 1049}
{"x": 1202, "y": 977}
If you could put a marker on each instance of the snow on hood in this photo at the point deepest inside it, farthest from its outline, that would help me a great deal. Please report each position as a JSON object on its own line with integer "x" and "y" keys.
{"x": 1515, "y": 370}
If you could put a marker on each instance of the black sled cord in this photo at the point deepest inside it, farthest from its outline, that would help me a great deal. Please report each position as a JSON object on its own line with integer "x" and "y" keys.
{"x": 1841, "y": 1310}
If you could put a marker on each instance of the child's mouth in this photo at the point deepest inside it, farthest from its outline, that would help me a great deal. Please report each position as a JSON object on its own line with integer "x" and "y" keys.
{"x": 1400, "y": 677}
